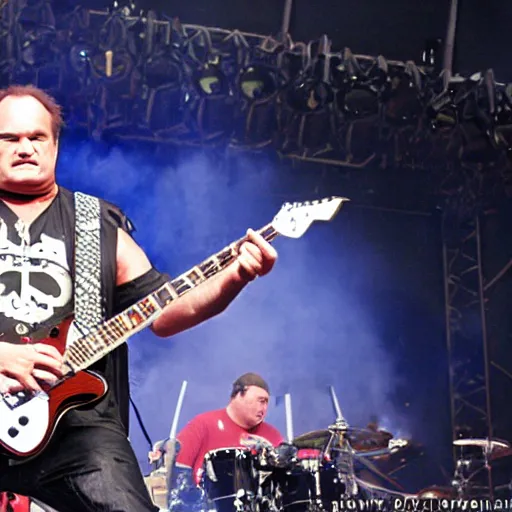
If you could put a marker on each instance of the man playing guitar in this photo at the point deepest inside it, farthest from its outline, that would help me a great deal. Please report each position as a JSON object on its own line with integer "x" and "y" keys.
{"x": 88, "y": 465}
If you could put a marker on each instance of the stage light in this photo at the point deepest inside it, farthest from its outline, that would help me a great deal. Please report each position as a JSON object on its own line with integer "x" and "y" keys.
{"x": 211, "y": 104}
{"x": 79, "y": 56}
{"x": 121, "y": 68}
{"x": 360, "y": 101}
{"x": 165, "y": 109}
{"x": 404, "y": 104}
{"x": 255, "y": 117}
{"x": 210, "y": 80}
{"x": 307, "y": 115}
{"x": 257, "y": 83}
{"x": 309, "y": 95}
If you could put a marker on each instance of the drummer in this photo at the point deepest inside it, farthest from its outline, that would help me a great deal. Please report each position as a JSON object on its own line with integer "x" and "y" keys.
{"x": 240, "y": 424}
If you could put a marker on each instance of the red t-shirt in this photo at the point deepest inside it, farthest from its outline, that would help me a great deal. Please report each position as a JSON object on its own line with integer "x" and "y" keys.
{"x": 213, "y": 430}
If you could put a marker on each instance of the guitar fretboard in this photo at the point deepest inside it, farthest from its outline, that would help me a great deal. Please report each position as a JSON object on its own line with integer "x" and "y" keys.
{"x": 114, "y": 332}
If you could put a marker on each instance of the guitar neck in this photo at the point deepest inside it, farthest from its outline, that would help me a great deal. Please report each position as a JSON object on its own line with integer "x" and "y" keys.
{"x": 114, "y": 332}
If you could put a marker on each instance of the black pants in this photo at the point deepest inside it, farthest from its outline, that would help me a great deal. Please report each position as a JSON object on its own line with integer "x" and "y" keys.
{"x": 89, "y": 469}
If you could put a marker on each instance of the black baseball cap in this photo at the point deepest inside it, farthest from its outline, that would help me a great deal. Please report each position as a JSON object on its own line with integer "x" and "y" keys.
{"x": 249, "y": 379}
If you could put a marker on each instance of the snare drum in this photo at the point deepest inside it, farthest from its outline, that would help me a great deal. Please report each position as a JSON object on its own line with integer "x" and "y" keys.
{"x": 229, "y": 474}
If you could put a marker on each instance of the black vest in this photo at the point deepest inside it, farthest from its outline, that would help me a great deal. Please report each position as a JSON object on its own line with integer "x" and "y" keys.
{"x": 36, "y": 288}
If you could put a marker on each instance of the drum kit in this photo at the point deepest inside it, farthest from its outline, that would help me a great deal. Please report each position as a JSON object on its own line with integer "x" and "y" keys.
{"x": 316, "y": 471}
{"x": 333, "y": 469}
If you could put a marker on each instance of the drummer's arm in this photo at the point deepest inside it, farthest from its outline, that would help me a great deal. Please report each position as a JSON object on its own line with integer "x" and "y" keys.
{"x": 191, "y": 439}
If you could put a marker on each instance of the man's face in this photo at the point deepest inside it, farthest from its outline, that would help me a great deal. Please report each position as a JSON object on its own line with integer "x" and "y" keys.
{"x": 28, "y": 150}
{"x": 253, "y": 405}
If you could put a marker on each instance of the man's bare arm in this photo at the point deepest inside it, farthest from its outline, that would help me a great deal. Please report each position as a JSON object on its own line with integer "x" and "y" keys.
{"x": 256, "y": 258}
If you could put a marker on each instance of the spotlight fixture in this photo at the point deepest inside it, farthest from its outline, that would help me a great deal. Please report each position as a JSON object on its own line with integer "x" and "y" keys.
{"x": 257, "y": 83}
{"x": 255, "y": 118}
{"x": 210, "y": 80}
{"x": 309, "y": 95}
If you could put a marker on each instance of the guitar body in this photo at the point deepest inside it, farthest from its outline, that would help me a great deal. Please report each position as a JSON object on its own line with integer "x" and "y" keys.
{"x": 28, "y": 420}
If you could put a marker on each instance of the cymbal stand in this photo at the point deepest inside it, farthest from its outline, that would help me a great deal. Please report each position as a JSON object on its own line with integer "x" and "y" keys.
{"x": 465, "y": 471}
{"x": 487, "y": 450}
{"x": 345, "y": 459}
{"x": 460, "y": 480}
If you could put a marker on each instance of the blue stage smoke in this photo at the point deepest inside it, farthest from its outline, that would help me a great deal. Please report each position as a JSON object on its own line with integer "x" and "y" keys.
{"x": 316, "y": 321}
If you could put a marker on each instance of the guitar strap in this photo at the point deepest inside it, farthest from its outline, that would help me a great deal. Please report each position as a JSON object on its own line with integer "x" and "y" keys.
{"x": 88, "y": 306}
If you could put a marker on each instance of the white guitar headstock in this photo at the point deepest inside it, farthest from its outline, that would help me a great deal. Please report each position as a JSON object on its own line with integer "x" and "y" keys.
{"x": 294, "y": 219}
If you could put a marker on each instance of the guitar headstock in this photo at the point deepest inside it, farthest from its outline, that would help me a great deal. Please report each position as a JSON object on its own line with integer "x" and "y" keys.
{"x": 294, "y": 219}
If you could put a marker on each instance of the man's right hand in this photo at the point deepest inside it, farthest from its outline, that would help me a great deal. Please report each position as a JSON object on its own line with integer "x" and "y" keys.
{"x": 25, "y": 366}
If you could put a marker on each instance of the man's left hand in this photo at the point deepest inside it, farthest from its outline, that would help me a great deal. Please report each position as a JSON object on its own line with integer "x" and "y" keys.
{"x": 257, "y": 256}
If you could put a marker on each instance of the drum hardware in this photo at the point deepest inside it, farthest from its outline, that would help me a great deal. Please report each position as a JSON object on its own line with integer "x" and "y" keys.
{"x": 460, "y": 482}
{"x": 484, "y": 468}
{"x": 187, "y": 496}
{"x": 282, "y": 456}
{"x": 465, "y": 472}
{"x": 338, "y": 441}
{"x": 244, "y": 501}
{"x": 344, "y": 459}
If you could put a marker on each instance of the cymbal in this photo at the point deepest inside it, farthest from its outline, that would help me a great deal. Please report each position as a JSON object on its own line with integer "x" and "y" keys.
{"x": 493, "y": 445}
{"x": 361, "y": 439}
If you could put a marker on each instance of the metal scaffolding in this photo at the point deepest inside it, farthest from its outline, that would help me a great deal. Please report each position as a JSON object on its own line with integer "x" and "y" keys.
{"x": 466, "y": 328}
{"x": 477, "y": 249}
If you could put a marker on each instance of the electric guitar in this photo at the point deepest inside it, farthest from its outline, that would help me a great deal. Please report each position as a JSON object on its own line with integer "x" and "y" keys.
{"x": 28, "y": 419}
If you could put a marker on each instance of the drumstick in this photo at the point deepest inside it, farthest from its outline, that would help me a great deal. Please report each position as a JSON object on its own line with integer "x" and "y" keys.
{"x": 335, "y": 403}
{"x": 289, "y": 419}
{"x": 177, "y": 412}
{"x": 170, "y": 445}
